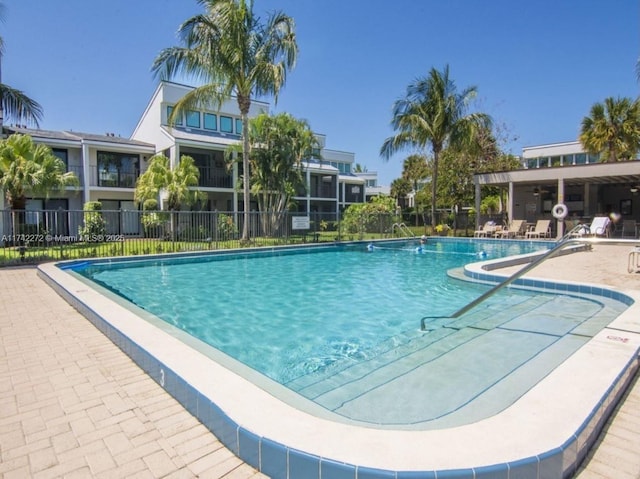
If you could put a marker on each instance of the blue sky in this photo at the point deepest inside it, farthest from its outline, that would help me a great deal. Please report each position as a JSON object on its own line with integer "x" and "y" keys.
{"x": 538, "y": 65}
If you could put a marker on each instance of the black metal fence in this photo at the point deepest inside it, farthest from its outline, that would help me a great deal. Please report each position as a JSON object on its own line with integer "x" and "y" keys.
{"x": 34, "y": 236}
{"x": 44, "y": 235}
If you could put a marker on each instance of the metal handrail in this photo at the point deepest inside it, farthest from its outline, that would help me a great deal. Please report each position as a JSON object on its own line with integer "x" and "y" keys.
{"x": 403, "y": 229}
{"x": 561, "y": 245}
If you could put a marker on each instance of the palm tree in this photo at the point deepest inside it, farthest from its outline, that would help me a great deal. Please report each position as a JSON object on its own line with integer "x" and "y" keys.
{"x": 433, "y": 114}
{"x": 400, "y": 188}
{"x": 612, "y": 129}
{"x": 358, "y": 168}
{"x": 176, "y": 187}
{"x": 14, "y": 103}
{"x": 232, "y": 52}
{"x": 28, "y": 169}
{"x": 280, "y": 143}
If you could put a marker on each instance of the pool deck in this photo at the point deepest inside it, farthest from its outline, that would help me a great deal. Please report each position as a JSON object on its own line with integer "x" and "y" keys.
{"x": 74, "y": 405}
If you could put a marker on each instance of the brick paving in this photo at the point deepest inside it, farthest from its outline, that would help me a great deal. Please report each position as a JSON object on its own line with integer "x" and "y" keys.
{"x": 73, "y": 405}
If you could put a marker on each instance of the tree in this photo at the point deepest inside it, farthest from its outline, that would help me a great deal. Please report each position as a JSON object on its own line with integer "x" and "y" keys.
{"x": 415, "y": 169}
{"x": 400, "y": 188}
{"x": 433, "y": 114}
{"x": 30, "y": 170}
{"x": 612, "y": 129}
{"x": 358, "y": 168}
{"x": 175, "y": 187}
{"x": 279, "y": 144}
{"x": 14, "y": 103}
{"x": 376, "y": 216}
{"x": 232, "y": 52}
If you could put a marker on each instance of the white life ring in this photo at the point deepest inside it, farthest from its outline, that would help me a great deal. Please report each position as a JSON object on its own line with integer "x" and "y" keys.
{"x": 559, "y": 211}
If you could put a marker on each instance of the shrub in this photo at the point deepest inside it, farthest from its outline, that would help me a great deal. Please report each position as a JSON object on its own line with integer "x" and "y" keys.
{"x": 94, "y": 224}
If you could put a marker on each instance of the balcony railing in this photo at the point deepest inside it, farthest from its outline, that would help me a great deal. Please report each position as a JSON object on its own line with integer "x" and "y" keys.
{"x": 211, "y": 177}
{"x": 124, "y": 178}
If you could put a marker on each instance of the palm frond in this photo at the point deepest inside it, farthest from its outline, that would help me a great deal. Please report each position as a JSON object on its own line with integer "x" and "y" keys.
{"x": 19, "y": 107}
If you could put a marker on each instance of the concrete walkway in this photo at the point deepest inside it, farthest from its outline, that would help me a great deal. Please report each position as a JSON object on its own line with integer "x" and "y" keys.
{"x": 73, "y": 405}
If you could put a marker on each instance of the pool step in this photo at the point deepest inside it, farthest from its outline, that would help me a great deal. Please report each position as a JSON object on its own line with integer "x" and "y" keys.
{"x": 542, "y": 319}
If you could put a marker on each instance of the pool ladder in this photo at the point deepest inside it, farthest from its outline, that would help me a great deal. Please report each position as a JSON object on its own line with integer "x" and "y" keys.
{"x": 567, "y": 242}
{"x": 403, "y": 228}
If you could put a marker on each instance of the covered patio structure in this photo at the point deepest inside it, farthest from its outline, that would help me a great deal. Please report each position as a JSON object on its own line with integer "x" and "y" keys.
{"x": 587, "y": 190}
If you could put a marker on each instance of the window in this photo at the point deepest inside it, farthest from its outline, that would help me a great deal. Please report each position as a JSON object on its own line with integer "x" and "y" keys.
{"x": 594, "y": 158}
{"x": 178, "y": 120}
{"x": 61, "y": 154}
{"x": 193, "y": 119}
{"x": 581, "y": 158}
{"x": 532, "y": 163}
{"x": 118, "y": 170}
{"x": 567, "y": 160}
{"x": 226, "y": 124}
{"x": 210, "y": 121}
{"x": 238, "y": 126}
{"x": 555, "y": 161}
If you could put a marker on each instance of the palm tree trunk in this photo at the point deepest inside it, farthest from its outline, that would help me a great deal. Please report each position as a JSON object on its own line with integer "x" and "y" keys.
{"x": 434, "y": 186}
{"x": 244, "y": 103}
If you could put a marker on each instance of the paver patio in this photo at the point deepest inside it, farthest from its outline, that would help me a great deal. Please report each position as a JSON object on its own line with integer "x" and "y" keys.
{"x": 73, "y": 405}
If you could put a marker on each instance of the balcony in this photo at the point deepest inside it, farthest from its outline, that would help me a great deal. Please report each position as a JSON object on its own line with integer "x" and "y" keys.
{"x": 212, "y": 177}
{"x": 114, "y": 178}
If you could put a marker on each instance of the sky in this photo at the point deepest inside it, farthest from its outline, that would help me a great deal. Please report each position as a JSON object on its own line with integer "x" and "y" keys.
{"x": 538, "y": 65}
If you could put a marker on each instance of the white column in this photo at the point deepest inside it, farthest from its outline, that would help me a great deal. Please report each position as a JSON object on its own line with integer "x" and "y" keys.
{"x": 560, "y": 223}
{"x": 86, "y": 174}
{"x": 477, "y": 204}
{"x": 510, "y": 202}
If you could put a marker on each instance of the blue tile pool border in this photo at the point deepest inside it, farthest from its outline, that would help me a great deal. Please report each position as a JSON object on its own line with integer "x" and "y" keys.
{"x": 282, "y": 462}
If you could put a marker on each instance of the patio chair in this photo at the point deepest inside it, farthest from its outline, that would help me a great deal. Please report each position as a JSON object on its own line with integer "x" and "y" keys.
{"x": 600, "y": 226}
{"x": 514, "y": 230}
{"x": 541, "y": 230}
{"x": 488, "y": 228}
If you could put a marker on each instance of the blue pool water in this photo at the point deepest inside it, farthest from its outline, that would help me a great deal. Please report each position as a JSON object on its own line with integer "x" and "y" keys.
{"x": 289, "y": 314}
{"x": 341, "y": 325}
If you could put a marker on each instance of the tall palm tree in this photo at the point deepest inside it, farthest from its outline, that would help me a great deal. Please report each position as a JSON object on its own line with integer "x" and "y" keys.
{"x": 612, "y": 129}
{"x": 177, "y": 186}
{"x": 400, "y": 188}
{"x": 433, "y": 114}
{"x": 231, "y": 52}
{"x": 14, "y": 103}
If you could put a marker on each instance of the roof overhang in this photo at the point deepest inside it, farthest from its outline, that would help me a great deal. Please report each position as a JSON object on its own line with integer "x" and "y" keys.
{"x": 597, "y": 173}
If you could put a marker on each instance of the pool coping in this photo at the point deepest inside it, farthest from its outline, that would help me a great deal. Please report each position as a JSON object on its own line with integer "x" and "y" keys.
{"x": 545, "y": 433}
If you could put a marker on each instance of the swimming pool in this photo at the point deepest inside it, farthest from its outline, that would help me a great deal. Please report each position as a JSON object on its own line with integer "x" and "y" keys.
{"x": 400, "y": 342}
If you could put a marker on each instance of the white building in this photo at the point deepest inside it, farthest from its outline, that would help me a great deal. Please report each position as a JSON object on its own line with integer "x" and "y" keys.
{"x": 109, "y": 166}
{"x": 371, "y": 185}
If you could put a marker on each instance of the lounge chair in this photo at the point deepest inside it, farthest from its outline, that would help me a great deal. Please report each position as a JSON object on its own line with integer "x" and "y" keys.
{"x": 600, "y": 226}
{"x": 489, "y": 228}
{"x": 515, "y": 229}
{"x": 541, "y": 230}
